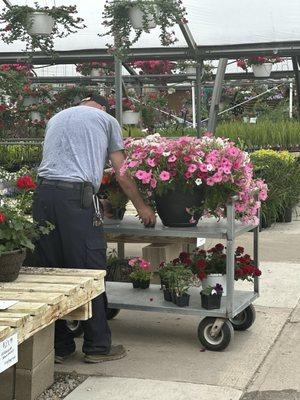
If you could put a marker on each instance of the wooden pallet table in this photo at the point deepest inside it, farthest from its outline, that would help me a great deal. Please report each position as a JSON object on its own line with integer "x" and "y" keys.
{"x": 44, "y": 295}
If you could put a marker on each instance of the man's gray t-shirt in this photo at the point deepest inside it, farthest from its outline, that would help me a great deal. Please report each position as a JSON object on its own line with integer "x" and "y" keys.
{"x": 77, "y": 143}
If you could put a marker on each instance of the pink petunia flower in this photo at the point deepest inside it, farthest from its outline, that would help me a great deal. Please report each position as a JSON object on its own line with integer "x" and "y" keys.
{"x": 164, "y": 175}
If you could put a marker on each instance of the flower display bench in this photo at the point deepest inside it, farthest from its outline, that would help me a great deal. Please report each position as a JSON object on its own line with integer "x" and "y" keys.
{"x": 217, "y": 326}
{"x": 42, "y": 296}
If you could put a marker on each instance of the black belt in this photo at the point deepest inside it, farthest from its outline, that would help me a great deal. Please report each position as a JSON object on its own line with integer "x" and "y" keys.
{"x": 63, "y": 184}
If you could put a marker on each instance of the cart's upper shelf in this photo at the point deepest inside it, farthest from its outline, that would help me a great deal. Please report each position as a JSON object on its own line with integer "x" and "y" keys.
{"x": 206, "y": 228}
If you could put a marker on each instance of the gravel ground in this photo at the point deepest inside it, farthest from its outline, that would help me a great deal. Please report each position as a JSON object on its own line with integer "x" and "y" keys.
{"x": 62, "y": 386}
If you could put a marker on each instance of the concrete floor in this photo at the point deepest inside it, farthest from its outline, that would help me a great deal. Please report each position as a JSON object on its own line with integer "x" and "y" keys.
{"x": 165, "y": 360}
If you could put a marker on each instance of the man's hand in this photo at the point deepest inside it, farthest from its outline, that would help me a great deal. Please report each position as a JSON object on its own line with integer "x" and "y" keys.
{"x": 147, "y": 216}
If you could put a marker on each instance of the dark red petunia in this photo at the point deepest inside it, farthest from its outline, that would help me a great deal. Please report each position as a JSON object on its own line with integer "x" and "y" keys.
{"x": 2, "y": 218}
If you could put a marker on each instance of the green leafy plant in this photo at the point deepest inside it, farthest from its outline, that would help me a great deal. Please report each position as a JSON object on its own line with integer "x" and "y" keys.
{"x": 212, "y": 290}
{"x": 16, "y": 20}
{"x": 117, "y": 21}
{"x": 179, "y": 279}
{"x": 281, "y": 171}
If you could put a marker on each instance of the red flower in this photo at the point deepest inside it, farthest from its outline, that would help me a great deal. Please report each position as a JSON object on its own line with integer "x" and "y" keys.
{"x": 219, "y": 247}
{"x": 201, "y": 275}
{"x": 201, "y": 264}
{"x": 105, "y": 180}
{"x": 25, "y": 182}
{"x": 2, "y": 218}
{"x": 239, "y": 251}
{"x": 183, "y": 256}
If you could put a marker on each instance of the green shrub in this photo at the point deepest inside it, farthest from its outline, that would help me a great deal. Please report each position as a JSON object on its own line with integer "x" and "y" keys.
{"x": 281, "y": 171}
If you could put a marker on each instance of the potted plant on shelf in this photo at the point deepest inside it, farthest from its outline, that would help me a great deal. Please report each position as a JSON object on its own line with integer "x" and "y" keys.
{"x": 38, "y": 26}
{"x": 113, "y": 193}
{"x": 210, "y": 266}
{"x": 261, "y": 65}
{"x": 123, "y": 15}
{"x": 211, "y": 297}
{"x": 17, "y": 232}
{"x": 141, "y": 274}
{"x": 96, "y": 68}
{"x": 179, "y": 279}
{"x": 187, "y": 177}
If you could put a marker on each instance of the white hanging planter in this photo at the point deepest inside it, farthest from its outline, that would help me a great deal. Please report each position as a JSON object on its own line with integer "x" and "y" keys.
{"x": 96, "y": 72}
{"x": 190, "y": 70}
{"x": 253, "y": 120}
{"x": 131, "y": 117}
{"x": 136, "y": 17}
{"x": 150, "y": 89}
{"x": 262, "y": 70}
{"x": 28, "y": 101}
{"x": 40, "y": 23}
{"x": 213, "y": 279}
{"x": 35, "y": 116}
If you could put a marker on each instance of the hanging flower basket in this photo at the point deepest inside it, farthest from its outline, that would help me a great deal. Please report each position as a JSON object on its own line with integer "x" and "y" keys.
{"x": 10, "y": 264}
{"x": 40, "y": 23}
{"x": 263, "y": 70}
{"x": 28, "y": 101}
{"x": 139, "y": 19}
{"x": 131, "y": 117}
{"x": 96, "y": 72}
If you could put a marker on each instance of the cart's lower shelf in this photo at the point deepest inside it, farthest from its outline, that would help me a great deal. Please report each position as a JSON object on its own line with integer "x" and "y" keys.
{"x": 123, "y": 296}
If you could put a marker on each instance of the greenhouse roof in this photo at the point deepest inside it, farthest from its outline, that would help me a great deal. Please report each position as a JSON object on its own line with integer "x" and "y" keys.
{"x": 214, "y": 24}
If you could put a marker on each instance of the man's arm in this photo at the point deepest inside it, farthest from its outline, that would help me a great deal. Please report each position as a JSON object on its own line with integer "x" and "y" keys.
{"x": 129, "y": 187}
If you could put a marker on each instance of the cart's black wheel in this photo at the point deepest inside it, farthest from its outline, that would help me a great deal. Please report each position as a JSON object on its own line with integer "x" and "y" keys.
{"x": 244, "y": 319}
{"x": 75, "y": 327}
{"x": 214, "y": 343}
{"x": 111, "y": 313}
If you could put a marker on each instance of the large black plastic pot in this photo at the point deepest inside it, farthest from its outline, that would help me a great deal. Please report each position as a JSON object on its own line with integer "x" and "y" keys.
{"x": 171, "y": 207}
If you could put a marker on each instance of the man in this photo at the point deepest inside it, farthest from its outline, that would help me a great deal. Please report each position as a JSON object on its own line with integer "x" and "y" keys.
{"x": 77, "y": 143}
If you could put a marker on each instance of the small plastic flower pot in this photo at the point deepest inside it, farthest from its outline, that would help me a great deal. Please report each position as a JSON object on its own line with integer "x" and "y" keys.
{"x": 167, "y": 295}
{"x": 144, "y": 284}
{"x": 211, "y": 301}
{"x": 135, "y": 283}
{"x": 183, "y": 300}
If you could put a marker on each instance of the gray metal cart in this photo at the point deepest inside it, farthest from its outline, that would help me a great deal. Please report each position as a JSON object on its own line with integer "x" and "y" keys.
{"x": 216, "y": 329}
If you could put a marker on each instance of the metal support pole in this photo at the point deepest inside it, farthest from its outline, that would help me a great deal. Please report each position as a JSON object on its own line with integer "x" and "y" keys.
{"x": 214, "y": 107}
{"x": 118, "y": 89}
{"x": 256, "y": 252}
{"x": 297, "y": 81}
{"x": 291, "y": 101}
{"x": 230, "y": 257}
{"x": 199, "y": 68}
{"x": 193, "y": 104}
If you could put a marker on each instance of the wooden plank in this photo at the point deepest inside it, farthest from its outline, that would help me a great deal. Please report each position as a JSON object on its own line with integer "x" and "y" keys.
{"x": 52, "y": 279}
{"x": 40, "y": 287}
{"x": 27, "y": 307}
{"x": 5, "y": 331}
{"x": 13, "y": 321}
{"x": 97, "y": 274}
{"x": 48, "y": 298}
{"x": 81, "y": 313}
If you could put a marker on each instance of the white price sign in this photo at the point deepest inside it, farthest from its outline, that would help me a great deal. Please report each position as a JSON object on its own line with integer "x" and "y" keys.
{"x": 8, "y": 352}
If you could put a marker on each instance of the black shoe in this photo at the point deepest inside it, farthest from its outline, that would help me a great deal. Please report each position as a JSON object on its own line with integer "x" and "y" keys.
{"x": 61, "y": 359}
{"x": 115, "y": 353}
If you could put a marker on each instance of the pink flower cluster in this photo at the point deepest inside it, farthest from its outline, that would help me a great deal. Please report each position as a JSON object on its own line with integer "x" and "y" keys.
{"x": 162, "y": 164}
{"x": 23, "y": 68}
{"x": 139, "y": 262}
{"x": 159, "y": 67}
